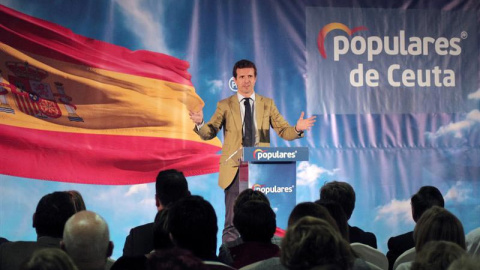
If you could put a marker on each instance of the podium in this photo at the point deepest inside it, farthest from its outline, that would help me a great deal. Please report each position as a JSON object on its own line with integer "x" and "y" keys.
{"x": 273, "y": 171}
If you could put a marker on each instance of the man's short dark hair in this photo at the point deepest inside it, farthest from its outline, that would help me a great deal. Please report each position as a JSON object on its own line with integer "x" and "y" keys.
{"x": 425, "y": 198}
{"x": 249, "y": 195}
{"x": 255, "y": 221}
{"x": 171, "y": 185}
{"x": 53, "y": 211}
{"x": 340, "y": 192}
{"x": 244, "y": 64}
{"x": 192, "y": 222}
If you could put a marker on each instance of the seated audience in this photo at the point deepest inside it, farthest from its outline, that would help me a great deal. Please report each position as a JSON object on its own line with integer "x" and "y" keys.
{"x": 255, "y": 221}
{"x": 312, "y": 242}
{"x": 437, "y": 255}
{"x": 436, "y": 224}
{"x": 343, "y": 194}
{"x": 426, "y": 197}
{"x": 170, "y": 186}
{"x": 52, "y": 211}
{"x": 86, "y": 240}
{"x": 49, "y": 259}
{"x": 192, "y": 224}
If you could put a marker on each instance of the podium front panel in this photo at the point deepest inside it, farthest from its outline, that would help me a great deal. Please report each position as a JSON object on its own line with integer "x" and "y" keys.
{"x": 277, "y": 180}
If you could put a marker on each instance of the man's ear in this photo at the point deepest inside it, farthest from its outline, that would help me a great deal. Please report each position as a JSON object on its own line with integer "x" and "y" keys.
{"x": 110, "y": 249}
{"x": 157, "y": 201}
{"x": 62, "y": 246}
{"x": 34, "y": 225}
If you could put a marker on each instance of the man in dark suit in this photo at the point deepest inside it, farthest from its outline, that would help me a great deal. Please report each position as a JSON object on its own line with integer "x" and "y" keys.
{"x": 52, "y": 212}
{"x": 343, "y": 194}
{"x": 424, "y": 199}
{"x": 170, "y": 186}
{"x": 234, "y": 114}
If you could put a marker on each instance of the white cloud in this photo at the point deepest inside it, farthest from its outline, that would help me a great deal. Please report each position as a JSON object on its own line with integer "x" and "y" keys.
{"x": 216, "y": 86}
{"x": 145, "y": 23}
{"x": 474, "y": 116}
{"x": 458, "y": 193}
{"x": 474, "y": 95}
{"x": 457, "y": 128}
{"x": 308, "y": 174}
{"x": 395, "y": 213}
{"x": 136, "y": 189}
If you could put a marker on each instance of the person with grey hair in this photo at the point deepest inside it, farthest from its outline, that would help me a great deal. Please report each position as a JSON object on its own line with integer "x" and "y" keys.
{"x": 86, "y": 240}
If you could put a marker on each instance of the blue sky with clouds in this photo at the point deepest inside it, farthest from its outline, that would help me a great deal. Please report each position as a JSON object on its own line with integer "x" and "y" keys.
{"x": 384, "y": 161}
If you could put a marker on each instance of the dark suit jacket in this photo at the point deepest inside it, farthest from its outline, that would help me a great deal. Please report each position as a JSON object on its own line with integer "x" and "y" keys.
{"x": 13, "y": 254}
{"x": 398, "y": 245}
{"x": 357, "y": 235}
{"x": 228, "y": 117}
{"x": 139, "y": 241}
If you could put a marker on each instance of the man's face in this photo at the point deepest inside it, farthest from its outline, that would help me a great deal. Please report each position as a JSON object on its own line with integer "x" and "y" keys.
{"x": 245, "y": 81}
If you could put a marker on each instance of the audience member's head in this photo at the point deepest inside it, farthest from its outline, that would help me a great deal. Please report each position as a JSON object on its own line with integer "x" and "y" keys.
{"x": 77, "y": 200}
{"x": 255, "y": 221}
{"x": 340, "y": 192}
{"x": 310, "y": 209}
{"x": 86, "y": 239}
{"x": 170, "y": 186}
{"x": 337, "y": 213}
{"x": 192, "y": 224}
{"x": 49, "y": 259}
{"x": 53, "y": 210}
{"x": 437, "y": 255}
{"x": 174, "y": 259}
{"x": 249, "y": 195}
{"x": 312, "y": 242}
{"x": 438, "y": 224}
{"x": 161, "y": 237}
{"x": 465, "y": 263}
{"x": 426, "y": 197}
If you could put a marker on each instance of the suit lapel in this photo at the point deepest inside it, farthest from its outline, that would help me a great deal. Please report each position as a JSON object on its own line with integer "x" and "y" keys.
{"x": 259, "y": 111}
{"x": 235, "y": 110}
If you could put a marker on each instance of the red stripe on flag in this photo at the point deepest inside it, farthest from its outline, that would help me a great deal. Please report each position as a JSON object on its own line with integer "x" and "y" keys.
{"x": 99, "y": 159}
{"x": 30, "y": 34}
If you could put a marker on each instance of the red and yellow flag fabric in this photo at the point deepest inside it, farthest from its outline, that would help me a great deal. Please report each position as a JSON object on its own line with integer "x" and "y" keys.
{"x": 74, "y": 109}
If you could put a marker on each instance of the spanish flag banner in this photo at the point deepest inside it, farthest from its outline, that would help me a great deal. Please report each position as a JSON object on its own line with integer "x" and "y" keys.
{"x": 74, "y": 109}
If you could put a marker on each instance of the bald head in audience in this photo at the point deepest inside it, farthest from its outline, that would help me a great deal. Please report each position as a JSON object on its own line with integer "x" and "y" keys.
{"x": 86, "y": 239}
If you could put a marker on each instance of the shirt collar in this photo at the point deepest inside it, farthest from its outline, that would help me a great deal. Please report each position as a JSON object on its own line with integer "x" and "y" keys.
{"x": 240, "y": 97}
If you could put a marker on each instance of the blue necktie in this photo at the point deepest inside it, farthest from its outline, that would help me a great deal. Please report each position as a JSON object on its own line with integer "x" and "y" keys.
{"x": 249, "y": 137}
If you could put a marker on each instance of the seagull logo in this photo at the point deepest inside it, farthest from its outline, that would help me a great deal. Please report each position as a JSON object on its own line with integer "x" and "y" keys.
{"x": 257, "y": 151}
{"x": 257, "y": 187}
{"x": 333, "y": 26}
